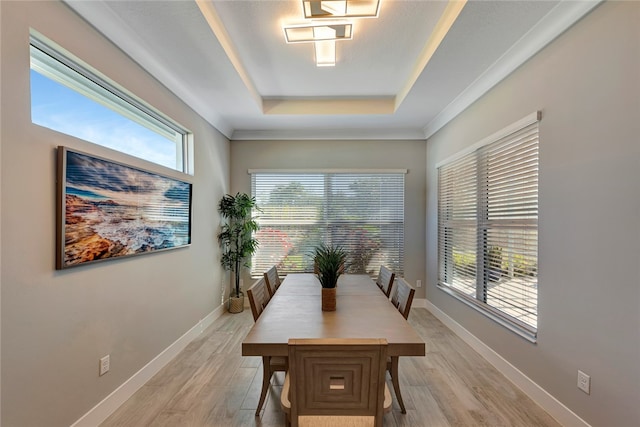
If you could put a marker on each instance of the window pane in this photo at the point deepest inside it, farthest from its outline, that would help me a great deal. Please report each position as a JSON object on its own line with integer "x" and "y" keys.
{"x": 363, "y": 213}
{"x": 366, "y": 213}
{"x": 511, "y": 267}
{"x": 57, "y": 107}
{"x": 462, "y": 275}
{"x": 68, "y": 97}
{"x": 488, "y": 226}
{"x": 290, "y": 221}
{"x": 457, "y": 217}
{"x": 509, "y": 193}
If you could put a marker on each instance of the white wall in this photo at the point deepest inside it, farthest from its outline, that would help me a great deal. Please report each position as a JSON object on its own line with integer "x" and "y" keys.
{"x": 57, "y": 324}
{"x": 587, "y": 84}
{"x": 347, "y": 154}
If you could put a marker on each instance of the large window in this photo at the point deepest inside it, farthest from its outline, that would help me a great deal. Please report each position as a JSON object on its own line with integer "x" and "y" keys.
{"x": 70, "y": 97}
{"x": 488, "y": 226}
{"x": 362, "y": 212}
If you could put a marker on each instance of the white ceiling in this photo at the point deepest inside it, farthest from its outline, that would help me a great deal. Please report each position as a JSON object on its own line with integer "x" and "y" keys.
{"x": 404, "y": 75}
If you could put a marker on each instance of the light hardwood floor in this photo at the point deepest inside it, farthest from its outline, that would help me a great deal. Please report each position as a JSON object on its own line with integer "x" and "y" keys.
{"x": 211, "y": 384}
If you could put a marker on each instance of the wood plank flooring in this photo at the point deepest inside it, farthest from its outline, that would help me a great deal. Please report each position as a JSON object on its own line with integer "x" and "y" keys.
{"x": 210, "y": 384}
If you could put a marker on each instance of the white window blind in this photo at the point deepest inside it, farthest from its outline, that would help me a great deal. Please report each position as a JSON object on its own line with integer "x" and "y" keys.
{"x": 361, "y": 211}
{"x": 488, "y": 227}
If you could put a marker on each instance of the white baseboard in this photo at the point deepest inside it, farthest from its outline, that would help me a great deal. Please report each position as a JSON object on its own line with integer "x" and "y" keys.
{"x": 109, "y": 404}
{"x": 550, "y": 404}
{"x": 555, "y": 408}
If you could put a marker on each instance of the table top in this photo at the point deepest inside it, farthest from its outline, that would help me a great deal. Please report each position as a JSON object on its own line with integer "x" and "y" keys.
{"x": 308, "y": 284}
{"x": 295, "y": 312}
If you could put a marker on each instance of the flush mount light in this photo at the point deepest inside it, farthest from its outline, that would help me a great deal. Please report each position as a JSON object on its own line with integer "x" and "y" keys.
{"x": 321, "y": 9}
{"x": 325, "y": 53}
{"x": 316, "y": 32}
{"x": 323, "y": 36}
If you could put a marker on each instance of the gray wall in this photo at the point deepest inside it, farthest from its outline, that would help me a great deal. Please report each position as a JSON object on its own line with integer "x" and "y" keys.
{"x": 56, "y": 325}
{"x": 347, "y": 154}
{"x": 587, "y": 84}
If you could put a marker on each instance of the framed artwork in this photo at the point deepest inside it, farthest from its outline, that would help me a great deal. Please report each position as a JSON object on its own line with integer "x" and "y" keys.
{"x": 108, "y": 210}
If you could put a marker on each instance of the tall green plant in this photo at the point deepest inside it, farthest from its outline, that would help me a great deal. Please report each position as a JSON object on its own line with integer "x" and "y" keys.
{"x": 236, "y": 234}
{"x": 329, "y": 262}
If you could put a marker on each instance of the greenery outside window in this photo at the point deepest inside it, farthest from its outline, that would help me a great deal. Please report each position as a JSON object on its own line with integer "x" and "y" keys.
{"x": 363, "y": 212}
{"x": 488, "y": 226}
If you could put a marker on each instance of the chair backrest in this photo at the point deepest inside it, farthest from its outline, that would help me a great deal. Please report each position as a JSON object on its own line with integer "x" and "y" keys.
{"x": 402, "y": 297}
{"x": 272, "y": 279}
{"x": 385, "y": 280}
{"x": 259, "y": 297}
{"x": 337, "y": 377}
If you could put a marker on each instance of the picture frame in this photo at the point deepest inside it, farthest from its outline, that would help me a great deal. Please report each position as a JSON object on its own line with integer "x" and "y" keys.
{"x": 109, "y": 210}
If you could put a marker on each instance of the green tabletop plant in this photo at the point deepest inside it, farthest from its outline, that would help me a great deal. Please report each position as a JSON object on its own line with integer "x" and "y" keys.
{"x": 329, "y": 264}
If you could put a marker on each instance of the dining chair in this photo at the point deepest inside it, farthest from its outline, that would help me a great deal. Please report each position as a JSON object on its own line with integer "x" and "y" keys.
{"x": 259, "y": 297}
{"x": 385, "y": 280}
{"x": 402, "y": 298}
{"x": 336, "y": 382}
{"x": 272, "y": 279}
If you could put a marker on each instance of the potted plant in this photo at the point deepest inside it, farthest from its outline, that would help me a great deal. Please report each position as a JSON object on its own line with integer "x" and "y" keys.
{"x": 329, "y": 265}
{"x": 236, "y": 240}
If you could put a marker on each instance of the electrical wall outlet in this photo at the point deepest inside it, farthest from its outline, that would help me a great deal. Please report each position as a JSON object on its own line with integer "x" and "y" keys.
{"x": 418, "y": 283}
{"x": 104, "y": 365}
{"x": 584, "y": 382}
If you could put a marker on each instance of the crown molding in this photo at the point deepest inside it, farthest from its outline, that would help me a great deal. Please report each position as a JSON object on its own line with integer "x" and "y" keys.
{"x": 220, "y": 31}
{"x": 327, "y": 134}
{"x": 329, "y": 106}
{"x": 125, "y": 38}
{"x": 556, "y": 22}
{"x": 446, "y": 21}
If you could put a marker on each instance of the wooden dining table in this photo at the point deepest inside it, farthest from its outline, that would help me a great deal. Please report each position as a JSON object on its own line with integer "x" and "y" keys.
{"x": 362, "y": 311}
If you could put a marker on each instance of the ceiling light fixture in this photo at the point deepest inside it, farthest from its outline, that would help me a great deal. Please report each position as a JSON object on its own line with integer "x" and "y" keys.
{"x": 325, "y": 50}
{"x": 323, "y": 36}
{"x": 325, "y": 53}
{"x": 322, "y": 9}
{"x": 318, "y": 32}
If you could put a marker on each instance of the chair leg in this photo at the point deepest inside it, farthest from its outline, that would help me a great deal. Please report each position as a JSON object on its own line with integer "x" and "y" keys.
{"x": 266, "y": 379}
{"x": 396, "y": 382}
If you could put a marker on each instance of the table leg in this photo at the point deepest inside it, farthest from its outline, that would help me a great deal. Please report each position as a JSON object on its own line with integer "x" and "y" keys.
{"x": 396, "y": 382}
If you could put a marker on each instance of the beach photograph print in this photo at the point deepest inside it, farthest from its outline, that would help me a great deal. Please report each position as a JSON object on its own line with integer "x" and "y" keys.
{"x": 109, "y": 210}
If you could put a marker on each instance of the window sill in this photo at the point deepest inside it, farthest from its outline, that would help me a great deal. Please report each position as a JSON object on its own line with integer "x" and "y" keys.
{"x": 530, "y": 335}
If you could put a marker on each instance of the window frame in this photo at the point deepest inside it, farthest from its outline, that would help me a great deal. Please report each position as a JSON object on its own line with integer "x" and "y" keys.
{"x": 326, "y": 175}
{"x": 55, "y": 63}
{"x": 480, "y": 224}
